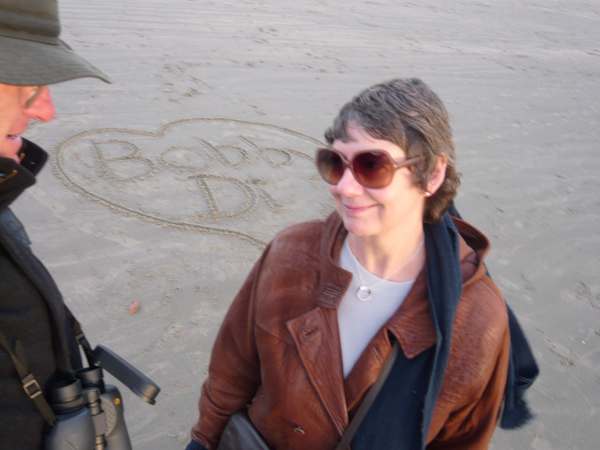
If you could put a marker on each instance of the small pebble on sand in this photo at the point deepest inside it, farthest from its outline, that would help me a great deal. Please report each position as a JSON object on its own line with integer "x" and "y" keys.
{"x": 134, "y": 307}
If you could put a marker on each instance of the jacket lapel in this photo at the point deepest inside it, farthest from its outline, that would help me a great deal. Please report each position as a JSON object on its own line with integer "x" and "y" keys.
{"x": 315, "y": 333}
{"x": 317, "y": 342}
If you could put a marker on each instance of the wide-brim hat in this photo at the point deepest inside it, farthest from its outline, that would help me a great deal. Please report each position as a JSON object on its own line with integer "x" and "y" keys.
{"x": 31, "y": 52}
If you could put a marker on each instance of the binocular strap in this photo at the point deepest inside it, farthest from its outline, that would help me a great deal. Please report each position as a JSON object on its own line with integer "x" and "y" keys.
{"x": 30, "y": 385}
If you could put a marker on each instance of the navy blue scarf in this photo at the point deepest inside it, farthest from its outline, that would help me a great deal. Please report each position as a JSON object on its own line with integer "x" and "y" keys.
{"x": 389, "y": 421}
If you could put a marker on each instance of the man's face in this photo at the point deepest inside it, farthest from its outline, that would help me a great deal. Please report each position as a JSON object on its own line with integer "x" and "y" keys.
{"x": 19, "y": 105}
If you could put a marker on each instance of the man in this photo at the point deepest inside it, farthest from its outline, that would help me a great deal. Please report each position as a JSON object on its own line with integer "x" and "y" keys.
{"x": 36, "y": 340}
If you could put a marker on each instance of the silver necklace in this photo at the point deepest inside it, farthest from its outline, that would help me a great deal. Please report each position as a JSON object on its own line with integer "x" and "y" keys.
{"x": 365, "y": 293}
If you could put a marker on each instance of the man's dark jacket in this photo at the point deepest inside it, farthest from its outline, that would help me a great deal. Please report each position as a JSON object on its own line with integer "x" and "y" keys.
{"x": 31, "y": 310}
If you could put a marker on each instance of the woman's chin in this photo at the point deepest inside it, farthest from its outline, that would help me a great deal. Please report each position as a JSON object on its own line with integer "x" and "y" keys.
{"x": 358, "y": 228}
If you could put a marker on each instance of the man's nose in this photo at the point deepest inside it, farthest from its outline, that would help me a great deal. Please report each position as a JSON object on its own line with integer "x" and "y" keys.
{"x": 42, "y": 107}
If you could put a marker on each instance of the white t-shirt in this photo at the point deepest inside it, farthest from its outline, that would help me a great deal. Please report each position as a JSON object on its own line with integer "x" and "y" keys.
{"x": 360, "y": 320}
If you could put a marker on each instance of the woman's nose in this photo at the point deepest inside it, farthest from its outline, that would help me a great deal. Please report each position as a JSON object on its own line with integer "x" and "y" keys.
{"x": 348, "y": 185}
{"x": 42, "y": 108}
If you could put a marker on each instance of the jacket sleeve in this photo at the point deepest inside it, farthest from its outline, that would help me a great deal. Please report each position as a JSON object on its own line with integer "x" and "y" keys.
{"x": 234, "y": 370}
{"x": 472, "y": 426}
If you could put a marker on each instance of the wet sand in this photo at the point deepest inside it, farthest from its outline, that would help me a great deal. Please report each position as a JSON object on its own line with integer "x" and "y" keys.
{"x": 165, "y": 186}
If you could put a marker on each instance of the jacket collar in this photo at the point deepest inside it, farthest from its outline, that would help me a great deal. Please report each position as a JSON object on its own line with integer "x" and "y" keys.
{"x": 333, "y": 279}
{"x": 474, "y": 246}
{"x": 412, "y": 325}
{"x": 15, "y": 178}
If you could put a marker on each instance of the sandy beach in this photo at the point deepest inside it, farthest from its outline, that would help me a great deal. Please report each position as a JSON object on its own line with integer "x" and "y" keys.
{"x": 164, "y": 186}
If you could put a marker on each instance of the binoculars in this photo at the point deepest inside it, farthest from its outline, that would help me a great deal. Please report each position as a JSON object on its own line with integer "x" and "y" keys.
{"x": 89, "y": 413}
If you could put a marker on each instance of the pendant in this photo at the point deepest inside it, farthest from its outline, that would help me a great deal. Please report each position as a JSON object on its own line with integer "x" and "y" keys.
{"x": 364, "y": 293}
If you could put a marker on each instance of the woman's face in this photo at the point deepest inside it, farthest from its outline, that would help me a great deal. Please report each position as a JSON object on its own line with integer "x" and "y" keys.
{"x": 376, "y": 212}
{"x": 19, "y": 105}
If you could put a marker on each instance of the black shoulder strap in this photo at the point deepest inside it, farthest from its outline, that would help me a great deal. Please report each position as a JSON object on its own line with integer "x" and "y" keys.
{"x": 30, "y": 385}
{"x": 80, "y": 337}
{"x": 364, "y": 407}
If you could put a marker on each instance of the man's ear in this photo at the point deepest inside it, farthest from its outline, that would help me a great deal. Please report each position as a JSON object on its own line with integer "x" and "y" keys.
{"x": 438, "y": 175}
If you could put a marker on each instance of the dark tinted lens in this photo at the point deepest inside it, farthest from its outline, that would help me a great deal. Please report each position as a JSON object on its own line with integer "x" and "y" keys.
{"x": 373, "y": 169}
{"x": 330, "y": 166}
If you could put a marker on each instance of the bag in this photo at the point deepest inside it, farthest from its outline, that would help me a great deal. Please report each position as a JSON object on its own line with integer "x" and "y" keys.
{"x": 240, "y": 434}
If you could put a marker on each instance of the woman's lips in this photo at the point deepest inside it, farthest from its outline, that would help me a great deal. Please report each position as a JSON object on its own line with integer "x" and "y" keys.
{"x": 356, "y": 210}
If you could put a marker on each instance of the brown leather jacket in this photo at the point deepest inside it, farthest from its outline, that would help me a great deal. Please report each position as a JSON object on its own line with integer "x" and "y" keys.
{"x": 278, "y": 350}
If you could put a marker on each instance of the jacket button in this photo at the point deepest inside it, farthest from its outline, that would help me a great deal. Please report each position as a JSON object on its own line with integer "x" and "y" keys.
{"x": 299, "y": 430}
{"x": 308, "y": 331}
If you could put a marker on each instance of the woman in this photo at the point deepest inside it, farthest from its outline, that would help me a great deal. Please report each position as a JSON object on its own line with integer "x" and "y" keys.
{"x": 311, "y": 327}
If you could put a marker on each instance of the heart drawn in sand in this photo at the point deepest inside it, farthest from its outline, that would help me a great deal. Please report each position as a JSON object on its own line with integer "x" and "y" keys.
{"x": 212, "y": 175}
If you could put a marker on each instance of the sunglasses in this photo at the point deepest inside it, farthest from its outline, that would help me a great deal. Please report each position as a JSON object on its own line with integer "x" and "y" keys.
{"x": 373, "y": 169}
